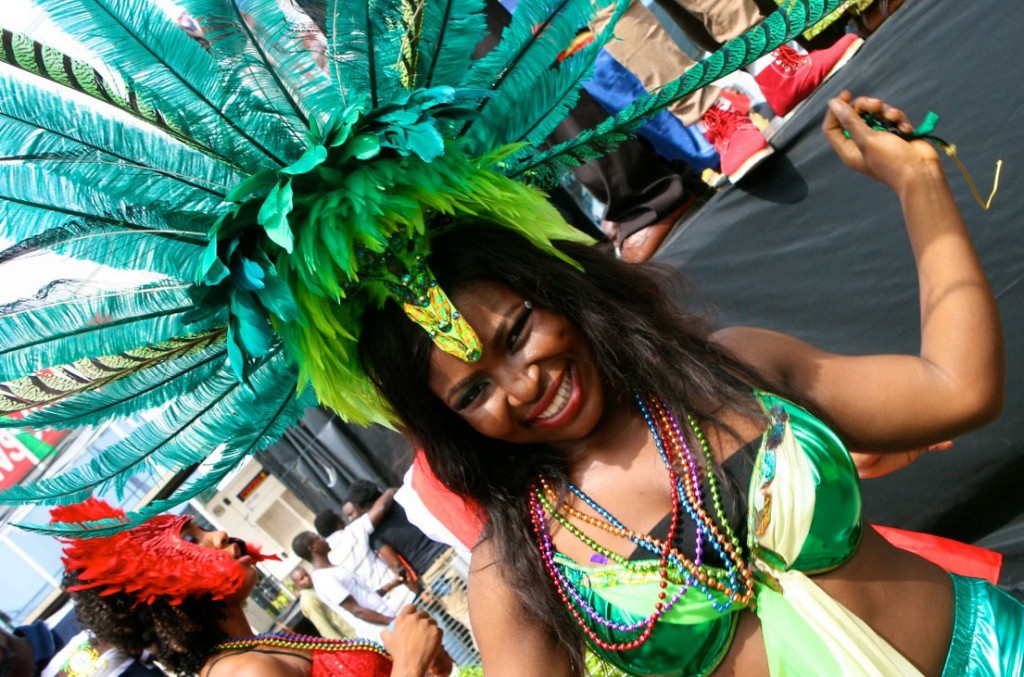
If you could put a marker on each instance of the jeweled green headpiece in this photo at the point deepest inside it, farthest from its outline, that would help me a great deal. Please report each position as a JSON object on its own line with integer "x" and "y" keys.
{"x": 272, "y": 192}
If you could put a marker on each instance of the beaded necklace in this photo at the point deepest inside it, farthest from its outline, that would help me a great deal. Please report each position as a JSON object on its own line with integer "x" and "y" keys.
{"x": 735, "y": 583}
{"x": 291, "y": 640}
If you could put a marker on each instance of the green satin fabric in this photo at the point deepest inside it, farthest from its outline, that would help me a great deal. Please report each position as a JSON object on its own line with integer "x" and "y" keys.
{"x": 693, "y": 638}
{"x": 988, "y": 631}
{"x": 836, "y": 525}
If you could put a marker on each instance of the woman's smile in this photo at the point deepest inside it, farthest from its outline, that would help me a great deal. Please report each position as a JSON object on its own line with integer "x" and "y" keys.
{"x": 536, "y": 382}
{"x": 561, "y": 402}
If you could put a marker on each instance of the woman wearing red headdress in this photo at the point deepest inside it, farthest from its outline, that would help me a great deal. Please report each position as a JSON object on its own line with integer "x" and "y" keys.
{"x": 174, "y": 589}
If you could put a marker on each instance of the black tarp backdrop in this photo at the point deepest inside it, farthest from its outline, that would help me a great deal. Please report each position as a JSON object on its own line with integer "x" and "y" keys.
{"x": 807, "y": 247}
{"x": 319, "y": 457}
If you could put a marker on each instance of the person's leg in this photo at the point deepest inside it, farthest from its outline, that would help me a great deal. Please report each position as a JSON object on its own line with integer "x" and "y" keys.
{"x": 787, "y": 75}
{"x": 645, "y": 49}
{"x": 724, "y": 19}
{"x": 638, "y": 188}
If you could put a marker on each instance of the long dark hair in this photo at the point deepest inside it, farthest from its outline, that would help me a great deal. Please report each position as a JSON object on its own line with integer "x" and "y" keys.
{"x": 640, "y": 339}
{"x": 181, "y": 636}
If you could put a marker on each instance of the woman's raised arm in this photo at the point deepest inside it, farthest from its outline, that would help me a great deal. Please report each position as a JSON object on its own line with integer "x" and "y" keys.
{"x": 956, "y": 381}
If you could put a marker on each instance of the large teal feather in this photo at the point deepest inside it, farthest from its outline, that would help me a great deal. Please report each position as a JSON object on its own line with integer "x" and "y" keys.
{"x": 778, "y": 28}
{"x": 267, "y": 52}
{"x": 99, "y": 389}
{"x": 157, "y": 58}
{"x": 33, "y": 200}
{"x": 534, "y": 117}
{"x": 171, "y": 253}
{"x": 449, "y": 32}
{"x": 63, "y": 327}
{"x": 34, "y": 122}
{"x": 220, "y": 411}
{"x": 286, "y": 410}
{"x": 364, "y": 49}
{"x": 528, "y": 51}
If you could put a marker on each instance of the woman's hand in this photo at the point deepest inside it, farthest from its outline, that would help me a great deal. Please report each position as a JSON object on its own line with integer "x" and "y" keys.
{"x": 881, "y": 155}
{"x": 414, "y": 642}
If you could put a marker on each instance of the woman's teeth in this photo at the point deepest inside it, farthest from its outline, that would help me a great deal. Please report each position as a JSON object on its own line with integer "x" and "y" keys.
{"x": 561, "y": 397}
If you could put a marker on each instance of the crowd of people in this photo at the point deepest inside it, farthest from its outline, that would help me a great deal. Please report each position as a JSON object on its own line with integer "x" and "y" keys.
{"x": 661, "y": 497}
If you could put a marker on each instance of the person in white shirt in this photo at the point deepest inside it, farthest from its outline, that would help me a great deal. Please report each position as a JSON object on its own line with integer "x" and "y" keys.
{"x": 349, "y": 548}
{"x": 340, "y": 587}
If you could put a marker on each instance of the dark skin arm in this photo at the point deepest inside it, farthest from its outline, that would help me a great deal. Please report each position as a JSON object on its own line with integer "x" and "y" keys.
{"x": 394, "y": 562}
{"x": 381, "y": 506}
{"x": 368, "y": 615}
{"x": 956, "y": 381}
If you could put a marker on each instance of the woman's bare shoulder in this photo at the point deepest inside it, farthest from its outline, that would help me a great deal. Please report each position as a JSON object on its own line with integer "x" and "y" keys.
{"x": 257, "y": 664}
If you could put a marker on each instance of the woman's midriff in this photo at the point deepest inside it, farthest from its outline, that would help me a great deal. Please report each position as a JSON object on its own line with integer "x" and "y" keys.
{"x": 905, "y": 599}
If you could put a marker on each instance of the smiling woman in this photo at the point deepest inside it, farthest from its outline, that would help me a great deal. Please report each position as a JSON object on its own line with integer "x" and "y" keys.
{"x": 655, "y": 492}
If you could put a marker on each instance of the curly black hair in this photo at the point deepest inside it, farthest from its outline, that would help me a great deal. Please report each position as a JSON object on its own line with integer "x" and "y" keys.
{"x": 181, "y": 636}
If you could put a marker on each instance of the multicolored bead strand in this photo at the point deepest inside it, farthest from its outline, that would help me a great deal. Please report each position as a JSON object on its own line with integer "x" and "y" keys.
{"x": 735, "y": 582}
{"x": 290, "y": 640}
{"x": 727, "y": 547}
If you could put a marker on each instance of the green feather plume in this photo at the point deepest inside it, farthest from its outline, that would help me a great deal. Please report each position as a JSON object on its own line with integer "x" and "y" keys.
{"x": 551, "y": 99}
{"x": 34, "y": 127}
{"x": 166, "y": 253}
{"x": 173, "y": 72}
{"x": 23, "y": 52}
{"x": 364, "y": 49}
{"x": 526, "y": 55}
{"x": 449, "y": 32}
{"x": 268, "y": 56}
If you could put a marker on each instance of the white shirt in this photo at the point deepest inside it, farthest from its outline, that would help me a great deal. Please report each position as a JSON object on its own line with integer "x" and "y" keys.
{"x": 336, "y": 584}
{"x": 350, "y": 550}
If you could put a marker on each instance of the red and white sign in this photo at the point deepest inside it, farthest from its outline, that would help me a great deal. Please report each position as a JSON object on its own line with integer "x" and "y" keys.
{"x": 15, "y": 460}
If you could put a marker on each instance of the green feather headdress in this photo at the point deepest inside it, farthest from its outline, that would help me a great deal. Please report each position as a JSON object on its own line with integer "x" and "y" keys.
{"x": 276, "y": 196}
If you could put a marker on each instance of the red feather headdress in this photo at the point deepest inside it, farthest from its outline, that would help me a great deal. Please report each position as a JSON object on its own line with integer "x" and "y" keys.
{"x": 150, "y": 561}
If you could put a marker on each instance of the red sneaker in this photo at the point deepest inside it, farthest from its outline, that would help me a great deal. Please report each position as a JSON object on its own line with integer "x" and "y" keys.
{"x": 792, "y": 77}
{"x": 740, "y": 144}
